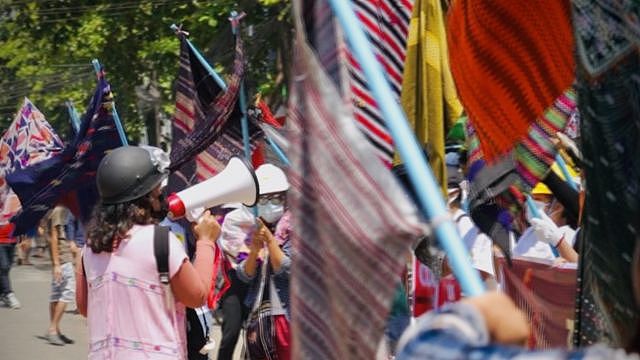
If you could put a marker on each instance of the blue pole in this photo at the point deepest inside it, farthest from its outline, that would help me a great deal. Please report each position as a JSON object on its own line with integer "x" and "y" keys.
{"x": 428, "y": 191}
{"x": 73, "y": 115}
{"x": 565, "y": 171}
{"x": 536, "y": 214}
{"x": 245, "y": 123}
{"x": 204, "y": 62}
{"x": 116, "y": 119}
{"x": 281, "y": 155}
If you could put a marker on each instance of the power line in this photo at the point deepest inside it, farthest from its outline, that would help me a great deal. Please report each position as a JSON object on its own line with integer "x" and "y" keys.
{"x": 98, "y": 7}
{"x": 26, "y": 85}
{"x": 51, "y": 86}
{"x": 45, "y": 77}
{"x": 71, "y": 17}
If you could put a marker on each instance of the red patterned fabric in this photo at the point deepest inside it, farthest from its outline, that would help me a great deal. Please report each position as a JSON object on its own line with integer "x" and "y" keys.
{"x": 510, "y": 61}
{"x": 547, "y": 296}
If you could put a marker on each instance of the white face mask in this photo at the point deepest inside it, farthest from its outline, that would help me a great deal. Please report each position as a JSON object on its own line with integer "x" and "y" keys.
{"x": 540, "y": 205}
{"x": 270, "y": 213}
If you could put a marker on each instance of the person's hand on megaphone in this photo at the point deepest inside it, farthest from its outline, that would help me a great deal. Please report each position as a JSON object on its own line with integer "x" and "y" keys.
{"x": 207, "y": 227}
{"x": 262, "y": 234}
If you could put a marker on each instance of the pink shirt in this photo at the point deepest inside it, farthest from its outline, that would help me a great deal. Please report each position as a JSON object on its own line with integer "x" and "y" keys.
{"x": 127, "y": 315}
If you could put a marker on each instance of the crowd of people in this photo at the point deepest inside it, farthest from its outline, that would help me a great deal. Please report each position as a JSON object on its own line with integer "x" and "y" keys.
{"x": 137, "y": 309}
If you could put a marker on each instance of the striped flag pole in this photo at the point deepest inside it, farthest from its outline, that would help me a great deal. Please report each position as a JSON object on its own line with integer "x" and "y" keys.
{"x": 123, "y": 138}
{"x": 73, "y": 115}
{"x": 429, "y": 195}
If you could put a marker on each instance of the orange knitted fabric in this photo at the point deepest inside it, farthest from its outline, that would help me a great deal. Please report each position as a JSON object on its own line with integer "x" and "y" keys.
{"x": 510, "y": 60}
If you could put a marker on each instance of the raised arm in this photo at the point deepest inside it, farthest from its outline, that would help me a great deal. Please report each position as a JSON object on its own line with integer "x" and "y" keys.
{"x": 192, "y": 282}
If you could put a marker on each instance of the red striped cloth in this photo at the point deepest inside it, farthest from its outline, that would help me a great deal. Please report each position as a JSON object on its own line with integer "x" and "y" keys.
{"x": 353, "y": 225}
{"x": 386, "y": 24}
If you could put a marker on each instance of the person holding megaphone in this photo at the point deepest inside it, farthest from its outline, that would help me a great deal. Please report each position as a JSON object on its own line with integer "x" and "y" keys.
{"x": 267, "y": 270}
{"x": 133, "y": 310}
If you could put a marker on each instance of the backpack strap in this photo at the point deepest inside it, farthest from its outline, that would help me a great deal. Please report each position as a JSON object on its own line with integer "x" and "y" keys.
{"x": 161, "y": 252}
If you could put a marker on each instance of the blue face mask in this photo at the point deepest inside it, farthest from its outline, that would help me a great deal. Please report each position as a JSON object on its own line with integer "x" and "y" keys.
{"x": 270, "y": 212}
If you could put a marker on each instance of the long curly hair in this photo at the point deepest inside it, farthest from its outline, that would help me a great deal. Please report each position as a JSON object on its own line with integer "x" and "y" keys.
{"x": 111, "y": 222}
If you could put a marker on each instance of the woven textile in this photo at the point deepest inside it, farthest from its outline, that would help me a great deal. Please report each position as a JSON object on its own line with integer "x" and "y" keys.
{"x": 386, "y": 23}
{"x": 510, "y": 61}
{"x": 206, "y": 124}
{"x": 28, "y": 140}
{"x": 41, "y": 186}
{"x": 608, "y": 91}
{"x": 352, "y": 228}
{"x": 546, "y": 294}
{"x": 428, "y": 93}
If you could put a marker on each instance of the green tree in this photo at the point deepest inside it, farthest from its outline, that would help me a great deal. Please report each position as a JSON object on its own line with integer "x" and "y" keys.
{"x": 46, "y": 48}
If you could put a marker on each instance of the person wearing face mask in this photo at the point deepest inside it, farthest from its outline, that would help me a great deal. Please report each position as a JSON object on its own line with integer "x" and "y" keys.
{"x": 132, "y": 313}
{"x": 547, "y": 233}
{"x": 270, "y": 242}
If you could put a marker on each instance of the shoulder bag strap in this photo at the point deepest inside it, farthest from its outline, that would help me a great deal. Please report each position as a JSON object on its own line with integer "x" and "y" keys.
{"x": 161, "y": 252}
{"x": 263, "y": 280}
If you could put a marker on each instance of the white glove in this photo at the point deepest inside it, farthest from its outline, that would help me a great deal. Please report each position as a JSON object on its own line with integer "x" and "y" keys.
{"x": 546, "y": 230}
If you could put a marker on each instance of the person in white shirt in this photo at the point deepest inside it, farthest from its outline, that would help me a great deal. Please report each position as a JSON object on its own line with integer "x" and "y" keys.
{"x": 547, "y": 233}
{"x": 478, "y": 244}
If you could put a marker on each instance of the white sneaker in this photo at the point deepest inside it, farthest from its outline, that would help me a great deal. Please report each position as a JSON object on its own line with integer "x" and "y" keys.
{"x": 11, "y": 301}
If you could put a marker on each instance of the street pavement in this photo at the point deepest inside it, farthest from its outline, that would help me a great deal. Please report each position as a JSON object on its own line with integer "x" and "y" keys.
{"x": 22, "y": 330}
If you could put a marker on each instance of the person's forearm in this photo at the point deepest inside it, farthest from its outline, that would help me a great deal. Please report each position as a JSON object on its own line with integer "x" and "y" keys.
{"x": 81, "y": 289}
{"x": 276, "y": 255}
{"x": 54, "y": 246}
{"x": 191, "y": 284}
{"x": 566, "y": 251}
{"x": 251, "y": 264}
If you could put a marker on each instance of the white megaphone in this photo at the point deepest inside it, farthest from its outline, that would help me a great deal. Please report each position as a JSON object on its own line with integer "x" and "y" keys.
{"x": 237, "y": 183}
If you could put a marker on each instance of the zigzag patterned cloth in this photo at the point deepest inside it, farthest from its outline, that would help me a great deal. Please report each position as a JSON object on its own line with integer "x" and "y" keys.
{"x": 528, "y": 163}
{"x": 510, "y": 60}
{"x": 353, "y": 225}
{"x": 28, "y": 140}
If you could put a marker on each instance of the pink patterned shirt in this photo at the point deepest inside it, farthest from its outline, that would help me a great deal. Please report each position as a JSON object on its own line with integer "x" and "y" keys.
{"x": 127, "y": 315}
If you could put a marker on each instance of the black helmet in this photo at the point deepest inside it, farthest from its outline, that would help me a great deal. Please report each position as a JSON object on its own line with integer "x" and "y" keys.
{"x": 130, "y": 172}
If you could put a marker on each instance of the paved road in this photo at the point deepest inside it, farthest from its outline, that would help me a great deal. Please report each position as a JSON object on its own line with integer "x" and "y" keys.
{"x": 21, "y": 330}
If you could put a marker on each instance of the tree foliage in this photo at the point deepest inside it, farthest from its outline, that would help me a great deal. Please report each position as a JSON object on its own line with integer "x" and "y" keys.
{"x": 46, "y": 48}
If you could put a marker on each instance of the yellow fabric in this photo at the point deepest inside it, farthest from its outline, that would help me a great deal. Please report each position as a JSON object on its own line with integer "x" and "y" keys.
{"x": 428, "y": 93}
